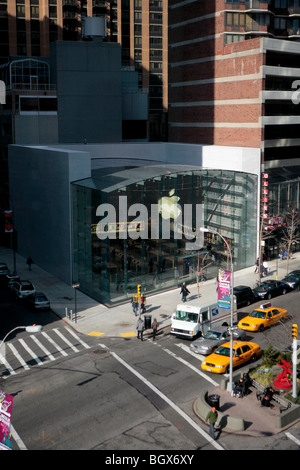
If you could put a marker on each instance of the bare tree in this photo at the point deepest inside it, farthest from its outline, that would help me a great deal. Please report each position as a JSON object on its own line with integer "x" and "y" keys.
{"x": 290, "y": 234}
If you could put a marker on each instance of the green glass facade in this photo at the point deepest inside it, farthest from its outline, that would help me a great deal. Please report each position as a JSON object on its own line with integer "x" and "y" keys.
{"x": 110, "y": 269}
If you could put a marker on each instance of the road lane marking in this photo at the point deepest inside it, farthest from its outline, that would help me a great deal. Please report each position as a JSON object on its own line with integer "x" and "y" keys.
{"x": 7, "y": 365}
{"x": 78, "y": 339}
{"x": 59, "y": 333}
{"x": 293, "y": 438}
{"x": 185, "y": 348}
{"x": 59, "y": 349}
{"x": 17, "y": 438}
{"x": 32, "y": 354}
{"x": 51, "y": 357}
{"x": 18, "y": 356}
{"x": 199, "y": 372}
{"x": 168, "y": 401}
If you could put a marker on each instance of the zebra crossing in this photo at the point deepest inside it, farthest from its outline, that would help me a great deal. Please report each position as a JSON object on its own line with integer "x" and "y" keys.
{"x": 38, "y": 349}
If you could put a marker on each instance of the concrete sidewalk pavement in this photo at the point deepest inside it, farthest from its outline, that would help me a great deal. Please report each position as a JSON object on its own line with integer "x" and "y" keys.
{"x": 96, "y": 319}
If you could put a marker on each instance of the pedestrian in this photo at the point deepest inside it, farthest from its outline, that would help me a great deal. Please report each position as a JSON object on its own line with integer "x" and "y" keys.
{"x": 266, "y": 268}
{"x": 256, "y": 265}
{"x": 212, "y": 417}
{"x": 140, "y": 329}
{"x": 134, "y": 305}
{"x": 261, "y": 268}
{"x": 267, "y": 397}
{"x": 238, "y": 388}
{"x": 143, "y": 303}
{"x": 184, "y": 292}
{"x": 154, "y": 327}
{"x": 29, "y": 262}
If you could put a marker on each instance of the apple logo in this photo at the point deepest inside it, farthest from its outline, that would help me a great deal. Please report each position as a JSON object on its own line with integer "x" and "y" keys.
{"x": 168, "y": 207}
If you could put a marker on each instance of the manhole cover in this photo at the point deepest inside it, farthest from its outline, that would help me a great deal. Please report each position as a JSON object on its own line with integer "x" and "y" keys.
{"x": 100, "y": 351}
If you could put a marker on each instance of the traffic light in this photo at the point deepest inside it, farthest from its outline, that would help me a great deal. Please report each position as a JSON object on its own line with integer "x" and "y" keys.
{"x": 139, "y": 289}
{"x": 295, "y": 331}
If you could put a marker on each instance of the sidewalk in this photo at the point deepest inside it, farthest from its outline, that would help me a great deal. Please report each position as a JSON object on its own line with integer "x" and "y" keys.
{"x": 242, "y": 416}
{"x": 96, "y": 319}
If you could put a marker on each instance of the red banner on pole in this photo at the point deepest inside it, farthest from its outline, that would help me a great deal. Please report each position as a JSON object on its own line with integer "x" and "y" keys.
{"x": 6, "y": 403}
{"x": 8, "y": 215}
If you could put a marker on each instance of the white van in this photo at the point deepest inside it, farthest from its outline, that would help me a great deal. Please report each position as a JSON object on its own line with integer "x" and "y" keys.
{"x": 189, "y": 321}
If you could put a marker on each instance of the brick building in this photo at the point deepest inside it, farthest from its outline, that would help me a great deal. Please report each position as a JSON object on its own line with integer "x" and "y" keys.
{"x": 232, "y": 68}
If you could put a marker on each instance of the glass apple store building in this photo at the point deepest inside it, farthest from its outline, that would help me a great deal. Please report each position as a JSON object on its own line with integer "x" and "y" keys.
{"x": 140, "y": 225}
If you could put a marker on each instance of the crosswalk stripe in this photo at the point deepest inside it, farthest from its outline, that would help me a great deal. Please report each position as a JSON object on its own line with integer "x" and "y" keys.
{"x": 7, "y": 365}
{"x": 59, "y": 349}
{"x": 38, "y": 356}
{"x": 65, "y": 339}
{"x": 32, "y": 354}
{"x": 78, "y": 339}
{"x": 18, "y": 356}
{"x": 35, "y": 339}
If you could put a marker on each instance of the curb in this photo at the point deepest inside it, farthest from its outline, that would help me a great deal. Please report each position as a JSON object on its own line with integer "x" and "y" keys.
{"x": 225, "y": 422}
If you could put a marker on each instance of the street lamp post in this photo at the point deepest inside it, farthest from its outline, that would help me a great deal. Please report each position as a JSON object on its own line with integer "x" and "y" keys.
{"x": 29, "y": 329}
{"x": 204, "y": 229}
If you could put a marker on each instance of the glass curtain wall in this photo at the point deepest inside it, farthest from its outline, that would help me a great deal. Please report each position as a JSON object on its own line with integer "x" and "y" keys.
{"x": 110, "y": 269}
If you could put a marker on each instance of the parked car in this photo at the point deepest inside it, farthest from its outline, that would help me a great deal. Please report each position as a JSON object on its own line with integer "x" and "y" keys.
{"x": 262, "y": 317}
{"x": 293, "y": 280}
{"x": 269, "y": 289}
{"x": 212, "y": 339}
{"x": 219, "y": 361}
{"x": 4, "y": 271}
{"x": 22, "y": 288}
{"x": 244, "y": 296}
{"x": 11, "y": 279}
{"x": 38, "y": 301}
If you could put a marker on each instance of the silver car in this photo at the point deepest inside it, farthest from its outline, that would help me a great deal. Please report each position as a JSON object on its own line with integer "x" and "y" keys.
{"x": 22, "y": 288}
{"x": 212, "y": 339}
{"x": 38, "y": 301}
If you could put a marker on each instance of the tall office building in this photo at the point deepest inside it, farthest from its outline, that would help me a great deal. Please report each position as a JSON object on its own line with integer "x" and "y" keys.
{"x": 233, "y": 66}
{"x": 28, "y": 26}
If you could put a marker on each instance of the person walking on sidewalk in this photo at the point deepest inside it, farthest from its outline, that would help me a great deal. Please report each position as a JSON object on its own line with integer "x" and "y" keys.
{"x": 212, "y": 417}
{"x": 140, "y": 328}
{"x": 154, "y": 327}
{"x": 135, "y": 306}
{"x": 29, "y": 262}
{"x": 184, "y": 291}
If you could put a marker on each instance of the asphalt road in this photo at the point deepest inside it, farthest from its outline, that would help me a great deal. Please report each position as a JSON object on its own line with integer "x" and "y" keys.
{"x": 123, "y": 394}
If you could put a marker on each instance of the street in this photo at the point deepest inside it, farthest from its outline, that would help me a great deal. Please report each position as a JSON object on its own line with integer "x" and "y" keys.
{"x": 118, "y": 394}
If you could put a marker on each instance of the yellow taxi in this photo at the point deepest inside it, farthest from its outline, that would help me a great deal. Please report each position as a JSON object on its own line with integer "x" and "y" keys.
{"x": 262, "y": 317}
{"x": 219, "y": 361}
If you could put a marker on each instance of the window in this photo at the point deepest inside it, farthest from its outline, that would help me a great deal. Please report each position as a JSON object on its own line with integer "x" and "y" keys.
{"x": 235, "y": 19}
{"x": 280, "y": 4}
{"x": 35, "y": 104}
{"x": 280, "y": 23}
{"x": 229, "y": 38}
